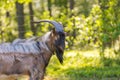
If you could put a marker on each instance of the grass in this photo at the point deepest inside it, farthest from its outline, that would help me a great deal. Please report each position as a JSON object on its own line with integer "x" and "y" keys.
{"x": 84, "y": 65}
{"x": 81, "y": 65}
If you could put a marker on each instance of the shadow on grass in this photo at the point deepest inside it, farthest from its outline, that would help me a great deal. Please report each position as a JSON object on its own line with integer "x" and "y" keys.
{"x": 109, "y": 71}
{"x": 110, "y": 62}
{"x": 93, "y": 73}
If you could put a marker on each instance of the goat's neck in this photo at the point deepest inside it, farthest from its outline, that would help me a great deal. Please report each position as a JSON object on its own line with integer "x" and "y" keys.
{"x": 50, "y": 46}
{"x": 47, "y": 55}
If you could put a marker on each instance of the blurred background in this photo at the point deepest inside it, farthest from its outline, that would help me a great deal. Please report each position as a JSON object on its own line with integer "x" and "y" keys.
{"x": 93, "y": 35}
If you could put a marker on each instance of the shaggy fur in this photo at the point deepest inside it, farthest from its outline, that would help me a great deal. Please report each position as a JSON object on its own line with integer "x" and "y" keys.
{"x": 31, "y": 56}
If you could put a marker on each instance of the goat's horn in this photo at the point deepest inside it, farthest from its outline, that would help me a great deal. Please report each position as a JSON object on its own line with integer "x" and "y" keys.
{"x": 58, "y": 26}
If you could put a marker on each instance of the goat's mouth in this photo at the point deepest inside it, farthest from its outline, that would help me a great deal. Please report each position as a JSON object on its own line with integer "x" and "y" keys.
{"x": 59, "y": 54}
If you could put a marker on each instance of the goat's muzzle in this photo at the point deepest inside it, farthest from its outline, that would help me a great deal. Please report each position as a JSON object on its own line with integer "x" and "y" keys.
{"x": 60, "y": 46}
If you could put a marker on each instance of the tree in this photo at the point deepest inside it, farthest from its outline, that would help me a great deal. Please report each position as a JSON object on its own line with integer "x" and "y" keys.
{"x": 32, "y": 19}
{"x": 20, "y": 19}
{"x": 110, "y": 24}
{"x": 71, "y": 4}
{"x": 49, "y": 7}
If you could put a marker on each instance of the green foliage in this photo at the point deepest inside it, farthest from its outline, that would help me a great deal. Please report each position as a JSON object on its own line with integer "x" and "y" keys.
{"x": 98, "y": 25}
{"x": 24, "y": 1}
{"x": 110, "y": 23}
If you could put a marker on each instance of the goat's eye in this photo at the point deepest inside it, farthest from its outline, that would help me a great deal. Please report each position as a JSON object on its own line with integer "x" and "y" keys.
{"x": 57, "y": 37}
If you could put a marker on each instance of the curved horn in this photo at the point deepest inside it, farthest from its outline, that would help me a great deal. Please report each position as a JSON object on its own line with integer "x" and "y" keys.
{"x": 58, "y": 26}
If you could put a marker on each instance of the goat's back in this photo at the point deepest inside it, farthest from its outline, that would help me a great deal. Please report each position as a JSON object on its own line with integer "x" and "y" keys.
{"x": 19, "y": 57}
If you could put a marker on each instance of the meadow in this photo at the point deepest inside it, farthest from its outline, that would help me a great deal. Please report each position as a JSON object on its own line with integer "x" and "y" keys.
{"x": 85, "y": 65}
{"x": 80, "y": 65}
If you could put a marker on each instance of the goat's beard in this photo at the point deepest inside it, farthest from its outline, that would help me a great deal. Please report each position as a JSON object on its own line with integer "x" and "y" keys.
{"x": 59, "y": 54}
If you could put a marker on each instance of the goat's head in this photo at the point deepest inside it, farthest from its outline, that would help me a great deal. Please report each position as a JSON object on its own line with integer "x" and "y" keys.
{"x": 57, "y": 38}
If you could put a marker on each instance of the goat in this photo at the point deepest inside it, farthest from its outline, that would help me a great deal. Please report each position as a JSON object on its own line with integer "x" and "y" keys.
{"x": 32, "y": 56}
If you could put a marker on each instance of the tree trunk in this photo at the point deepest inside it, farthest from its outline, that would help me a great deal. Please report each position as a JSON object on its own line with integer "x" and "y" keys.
{"x": 20, "y": 19}
{"x": 49, "y": 7}
{"x": 32, "y": 19}
{"x": 71, "y": 4}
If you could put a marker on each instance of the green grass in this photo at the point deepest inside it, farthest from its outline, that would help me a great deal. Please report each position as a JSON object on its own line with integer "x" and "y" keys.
{"x": 84, "y": 65}
{"x": 81, "y": 65}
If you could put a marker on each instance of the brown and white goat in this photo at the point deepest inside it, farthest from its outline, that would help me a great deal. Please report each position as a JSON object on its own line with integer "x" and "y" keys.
{"x": 32, "y": 56}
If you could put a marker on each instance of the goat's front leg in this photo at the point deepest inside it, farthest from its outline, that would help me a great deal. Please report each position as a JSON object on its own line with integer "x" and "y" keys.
{"x": 40, "y": 75}
{"x": 34, "y": 74}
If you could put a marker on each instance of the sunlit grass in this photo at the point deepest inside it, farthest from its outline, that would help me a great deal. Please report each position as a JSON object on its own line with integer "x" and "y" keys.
{"x": 83, "y": 64}
{"x": 14, "y": 77}
{"x": 74, "y": 60}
